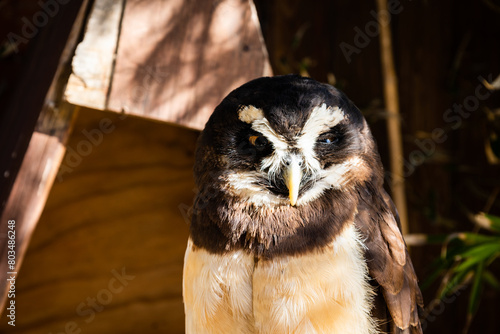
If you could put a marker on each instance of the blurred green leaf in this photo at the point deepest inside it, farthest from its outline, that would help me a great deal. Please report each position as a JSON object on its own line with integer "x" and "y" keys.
{"x": 475, "y": 293}
{"x": 477, "y": 254}
{"x": 467, "y": 264}
{"x": 475, "y": 238}
{"x": 457, "y": 246}
{"x": 454, "y": 283}
{"x": 483, "y": 250}
{"x": 465, "y": 259}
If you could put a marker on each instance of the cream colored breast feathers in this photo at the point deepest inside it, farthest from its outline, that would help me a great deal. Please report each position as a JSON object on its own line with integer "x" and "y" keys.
{"x": 309, "y": 293}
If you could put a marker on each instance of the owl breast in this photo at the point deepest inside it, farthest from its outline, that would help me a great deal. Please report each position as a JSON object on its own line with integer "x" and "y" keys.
{"x": 321, "y": 291}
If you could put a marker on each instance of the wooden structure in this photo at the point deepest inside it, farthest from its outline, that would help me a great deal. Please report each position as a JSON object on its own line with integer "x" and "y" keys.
{"x": 107, "y": 176}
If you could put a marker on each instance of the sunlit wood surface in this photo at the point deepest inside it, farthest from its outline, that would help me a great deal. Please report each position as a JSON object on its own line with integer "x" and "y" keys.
{"x": 116, "y": 205}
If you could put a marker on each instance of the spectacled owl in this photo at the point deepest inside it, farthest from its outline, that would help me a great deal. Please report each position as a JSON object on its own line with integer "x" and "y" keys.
{"x": 291, "y": 229}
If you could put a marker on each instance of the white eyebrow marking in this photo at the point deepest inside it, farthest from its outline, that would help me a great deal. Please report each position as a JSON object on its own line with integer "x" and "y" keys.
{"x": 281, "y": 149}
{"x": 248, "y": 114}
{"x": 322, "y": 118}
{"x": 255, "y": 117}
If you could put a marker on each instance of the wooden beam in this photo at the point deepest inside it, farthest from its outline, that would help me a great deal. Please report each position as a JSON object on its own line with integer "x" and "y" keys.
{"x": 24, "y": 98}
{"x": 46, "y": 144}
{"x": 89, "y": 83}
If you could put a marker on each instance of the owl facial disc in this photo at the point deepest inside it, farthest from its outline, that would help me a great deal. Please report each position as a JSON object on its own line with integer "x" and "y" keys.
{"x": 292, "y": 174}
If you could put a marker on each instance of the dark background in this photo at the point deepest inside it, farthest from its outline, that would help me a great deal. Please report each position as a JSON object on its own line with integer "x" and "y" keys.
{"x": 440, "y": 50}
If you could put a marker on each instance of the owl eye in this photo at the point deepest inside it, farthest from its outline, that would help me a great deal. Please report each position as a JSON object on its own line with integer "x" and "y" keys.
{"x": 330, "y": 139}
{"x": 258, "y": 141}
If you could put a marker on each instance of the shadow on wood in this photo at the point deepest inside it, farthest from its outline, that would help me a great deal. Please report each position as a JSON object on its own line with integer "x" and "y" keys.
{"x": 107, "y": 254}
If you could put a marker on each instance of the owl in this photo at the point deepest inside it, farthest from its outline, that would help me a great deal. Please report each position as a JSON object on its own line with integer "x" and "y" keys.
{"x": 291, "y": 229}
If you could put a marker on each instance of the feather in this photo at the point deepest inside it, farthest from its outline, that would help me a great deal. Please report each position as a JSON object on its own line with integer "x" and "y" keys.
{"x": 388, "y": 260}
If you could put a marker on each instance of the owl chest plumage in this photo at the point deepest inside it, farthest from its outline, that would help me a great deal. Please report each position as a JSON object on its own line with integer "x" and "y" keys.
{"x": 321, "y": 291}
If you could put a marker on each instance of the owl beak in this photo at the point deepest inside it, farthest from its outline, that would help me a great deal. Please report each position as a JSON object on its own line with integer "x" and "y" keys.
{"x": 293, "y": 176}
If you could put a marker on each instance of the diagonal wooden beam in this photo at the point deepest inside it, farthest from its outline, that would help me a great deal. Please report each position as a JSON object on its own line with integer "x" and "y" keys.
{"x": 34, "y": 132}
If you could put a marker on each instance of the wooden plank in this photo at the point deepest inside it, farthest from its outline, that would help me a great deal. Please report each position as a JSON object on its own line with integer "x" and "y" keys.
{"x": 31, "y": 189}
{"x": 177, "y": 59}
{"x": 46, "y": 147}
{"x": 93, "y": 63}
{"x": 22, "y": 98}
{"x": 119, "y": 207}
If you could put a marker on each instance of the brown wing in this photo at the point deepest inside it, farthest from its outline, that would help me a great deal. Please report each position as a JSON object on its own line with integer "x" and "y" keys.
{"x": 388, "y": 260}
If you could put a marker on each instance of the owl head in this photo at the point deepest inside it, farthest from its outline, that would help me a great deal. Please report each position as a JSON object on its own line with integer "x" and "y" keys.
{"x": 285, "y": 150}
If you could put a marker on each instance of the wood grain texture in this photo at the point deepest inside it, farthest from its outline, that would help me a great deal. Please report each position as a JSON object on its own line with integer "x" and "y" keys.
{"x": 176, "y": 60}
{"x": 32, "y": 187}
{"x": 115, "y": 206}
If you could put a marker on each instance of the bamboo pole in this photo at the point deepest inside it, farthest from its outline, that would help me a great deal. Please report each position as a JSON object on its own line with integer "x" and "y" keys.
{"x": 391, "y": 98}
